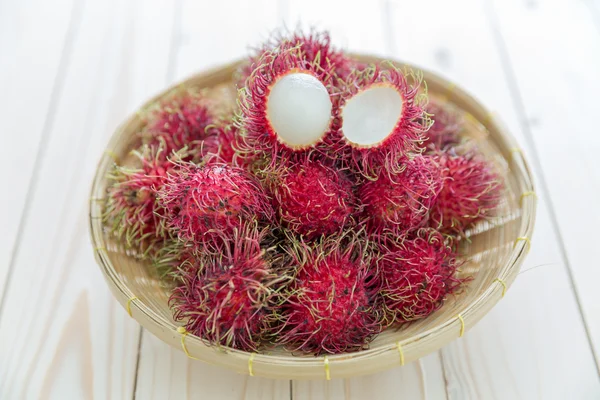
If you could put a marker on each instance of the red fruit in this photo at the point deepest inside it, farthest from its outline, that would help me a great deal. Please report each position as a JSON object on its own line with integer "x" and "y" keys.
{"x": 471, "y": 191}
{"x": 381, "y": 119}
{"x": 183, "y": 119}
{"x": 130, "y": 211}
{"x": 285, "y": 105}
{"x": 228, "y": 138}
{"x": 417, "y": 273}
{"x": 446, "y": 127}
{"x": 228, "y": 298}
{"x": 201, "y": 202}
{"x": 314, "y": 199}
{"x": 403, "y": 201}
{"x": 329, "y": 308}
{"x": 316, "y": 49}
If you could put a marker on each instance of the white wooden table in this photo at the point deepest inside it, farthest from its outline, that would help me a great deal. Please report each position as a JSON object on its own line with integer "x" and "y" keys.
{"x": 70, "y": 70}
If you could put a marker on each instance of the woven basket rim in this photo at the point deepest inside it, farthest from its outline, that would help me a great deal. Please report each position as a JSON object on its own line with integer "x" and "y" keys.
{"x": 468, "y": 315}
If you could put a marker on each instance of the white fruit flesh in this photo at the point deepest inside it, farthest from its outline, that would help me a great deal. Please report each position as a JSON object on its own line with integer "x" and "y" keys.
{"x": 371, "y": 115}
{"x": 299, "y": 109}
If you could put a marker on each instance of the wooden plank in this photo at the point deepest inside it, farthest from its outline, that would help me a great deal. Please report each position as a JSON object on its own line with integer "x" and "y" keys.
{"x": 221, "y": 36}
{"x": 521, "y": 348}
{"x": 220, "y": 32}
{"x": 61, "y": 333}
{"x": 30, "y": 76}
{"x": 167, "y": 373}
{"x": 557, "y": 78}
{"x": 360, "y": 27}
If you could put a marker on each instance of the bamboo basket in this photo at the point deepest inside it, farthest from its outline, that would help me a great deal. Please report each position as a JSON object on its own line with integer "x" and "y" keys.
{"x": 495, "y": 252}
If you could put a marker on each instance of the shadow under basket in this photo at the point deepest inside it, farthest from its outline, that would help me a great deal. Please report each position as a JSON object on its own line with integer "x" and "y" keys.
{"x": 494, "y": 253}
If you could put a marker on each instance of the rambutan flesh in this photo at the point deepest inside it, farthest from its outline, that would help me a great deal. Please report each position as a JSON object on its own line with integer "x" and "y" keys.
{"x": 130, "y": 212}
{"x": 313, "y": 199}
{"x": 402, "y": 201}
{"x": 329, "y": 306}
{"x": 472, "y": 190}
{"x": 215, "y": 199}
{"x": 446, "y": 127}
{"x": 183, "y": 119}
{"x": 285, "y": 105}
{"x": 228, "y": 297}
{"x": 382, "y": 118}
{"x": 417, "y": 273}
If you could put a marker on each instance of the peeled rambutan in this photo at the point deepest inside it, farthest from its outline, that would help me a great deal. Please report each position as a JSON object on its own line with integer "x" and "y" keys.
{"x": 446, "y": 127}
{"x": 285, "y": 105}
{"x": 201, "y": 202}
{"x": 472, "y": 189}
{"x": 130, "y": 212}
{"x": 329, "y": 307}
{"x": 228, "y": 297}
{"x": 313, "y": 198}
{"x": 183, "y": 119}
{"x": 416, "y": 273}
{"x": 402, "y": 201}
{"x": 381, "y": 118}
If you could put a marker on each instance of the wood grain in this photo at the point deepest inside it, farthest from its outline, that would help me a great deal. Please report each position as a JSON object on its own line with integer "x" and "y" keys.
{"x": 31, "y": 70}
{"x": 502, "y": 356}
{"x": 555, "y": 67}
{"x": 62, "y": 335}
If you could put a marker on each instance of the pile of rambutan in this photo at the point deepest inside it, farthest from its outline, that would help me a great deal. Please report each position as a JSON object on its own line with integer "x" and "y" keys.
{"x": 326, "y": 208}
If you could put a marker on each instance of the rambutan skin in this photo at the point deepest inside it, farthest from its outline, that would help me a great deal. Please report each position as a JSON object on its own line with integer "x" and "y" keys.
{"x": 130, "y": 211}
{"x": 403, "y": 201}
{"x": 228, "y": 297}
{"x": 329, "y": 307}
{"x": 201, "y": 202}
{"x": 407, "y": 136}
{"x": 416, "y": 272}
{"x": 183, "y": 119}
{"x": 257, "y": 133}
{"x": 471, "y": 191}
{"x": 313, "y": 198}
{"x": 446, "y": 127}
{"x": 315, "y": 47}
{"x": 227, "y": 143}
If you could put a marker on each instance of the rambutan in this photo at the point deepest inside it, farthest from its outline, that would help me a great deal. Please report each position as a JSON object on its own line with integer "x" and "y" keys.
{"x": 228, "y": 297}
{"x": 416, "y": 272}
{"x": 183, "y": 119}
{"x": 285, "y": 105}
{"x": 131, "y": 211}
{"x": 402, "y": 201}
{"x": 315, "y": 47}
{"x": 472, "y": 189}
{"x": 228, "y": 138}
{"x": 382, "y": 118}
{"x": 201, "y": 202}
{"x": 313, "y": 198}
{"x": 446, "y": 127}
{"x": 329, "y": 307}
